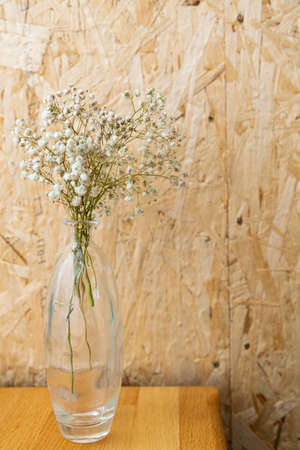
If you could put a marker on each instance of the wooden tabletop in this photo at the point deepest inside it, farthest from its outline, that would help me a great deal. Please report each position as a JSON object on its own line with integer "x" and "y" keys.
{"x": 147, "y": 418}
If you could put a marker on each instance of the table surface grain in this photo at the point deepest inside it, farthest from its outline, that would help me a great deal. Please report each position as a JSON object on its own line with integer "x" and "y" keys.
{"x": 150, "y": 418}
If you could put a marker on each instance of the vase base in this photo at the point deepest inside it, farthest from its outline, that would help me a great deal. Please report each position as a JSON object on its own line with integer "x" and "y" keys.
{"x": 85, "y": 434}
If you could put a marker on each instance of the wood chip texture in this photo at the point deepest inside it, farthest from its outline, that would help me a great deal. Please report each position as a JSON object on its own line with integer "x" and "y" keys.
{"x": 208, "y": 279}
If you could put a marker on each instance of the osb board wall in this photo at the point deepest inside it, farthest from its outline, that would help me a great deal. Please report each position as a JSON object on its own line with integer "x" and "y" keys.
{"x": 208, "y": 278}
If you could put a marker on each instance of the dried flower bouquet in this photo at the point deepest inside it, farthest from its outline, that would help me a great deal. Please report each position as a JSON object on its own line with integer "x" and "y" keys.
{"x": 84, "y": 153}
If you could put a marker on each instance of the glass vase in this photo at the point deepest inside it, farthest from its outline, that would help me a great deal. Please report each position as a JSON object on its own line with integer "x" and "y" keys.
{"x": 83, "y": 339}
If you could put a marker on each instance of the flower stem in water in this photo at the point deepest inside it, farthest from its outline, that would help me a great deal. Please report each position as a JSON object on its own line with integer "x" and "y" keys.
{"x": 70, "y": 345}
{"x": 85, "y": 324}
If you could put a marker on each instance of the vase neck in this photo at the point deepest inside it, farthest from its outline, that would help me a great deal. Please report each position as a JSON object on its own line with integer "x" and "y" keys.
{"x": 82, "y": 231}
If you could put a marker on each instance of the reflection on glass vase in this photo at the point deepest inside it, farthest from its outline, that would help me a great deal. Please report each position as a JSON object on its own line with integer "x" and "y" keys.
{"x": 83, "y": 340}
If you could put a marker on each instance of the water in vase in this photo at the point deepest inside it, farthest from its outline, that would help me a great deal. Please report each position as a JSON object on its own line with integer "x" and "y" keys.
{"x": 92, "y": 402}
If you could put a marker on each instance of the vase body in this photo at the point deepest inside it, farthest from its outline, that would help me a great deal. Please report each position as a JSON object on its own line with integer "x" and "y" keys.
{"x": 83, "y": 342}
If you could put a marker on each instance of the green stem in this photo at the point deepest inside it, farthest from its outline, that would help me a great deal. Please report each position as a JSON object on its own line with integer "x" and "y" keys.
{"x": 92, "y": 266}
{"x": 90, "y": 291}
{"x": 85, "y": 327}
{"x": 82, "y": 260}
{"x": 70, "y": 344}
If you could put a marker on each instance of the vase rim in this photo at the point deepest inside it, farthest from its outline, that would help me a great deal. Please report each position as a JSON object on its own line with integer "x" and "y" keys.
{"x": 81, "y": 222}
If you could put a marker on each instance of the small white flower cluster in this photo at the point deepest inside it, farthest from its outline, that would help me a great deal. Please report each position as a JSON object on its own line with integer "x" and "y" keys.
{"x": 83, "y": 151}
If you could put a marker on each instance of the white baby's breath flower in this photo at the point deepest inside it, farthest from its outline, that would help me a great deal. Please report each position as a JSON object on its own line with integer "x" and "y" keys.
{"x": 75, "y": 175}
{"x": 53, "y": 195}
{"x": 42, "y": 142}
{"x": 70, "y": 144}
{"x": 80, "y": 190}
{"x": 84, "y": 177}
{"x": 32, "y": 150}
{"x": 61, "y": 147}
{"x": 58, "y": 170}
{"x": 110, "y": 116}
{"x": 84, "y": 150}
{"x": 76, "y": 201}
{"x": 67, "y": 176}
{"x": 94, "y": 192}
{"x": 27, "y": 132}
{"x": 114, "y": 139}
{"x": 89, "y": 142}
{"x": 49, "y": 158}
{"x": 77, "y": 166}
{"x": 68, "y": 132}
{"x": 58, "y": 187}
{"x": 33, "y": 176}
